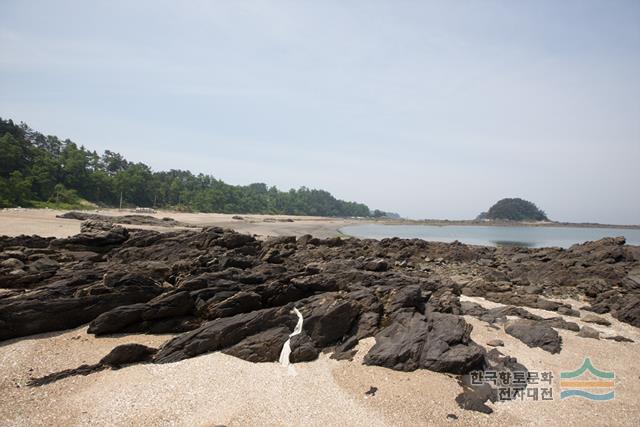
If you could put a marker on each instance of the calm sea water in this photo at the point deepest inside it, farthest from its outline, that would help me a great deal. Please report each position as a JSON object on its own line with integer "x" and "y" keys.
{"x": 535, "y": 237}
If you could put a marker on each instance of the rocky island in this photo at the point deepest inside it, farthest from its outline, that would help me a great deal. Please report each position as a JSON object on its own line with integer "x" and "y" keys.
{"x": 514, "y": 209}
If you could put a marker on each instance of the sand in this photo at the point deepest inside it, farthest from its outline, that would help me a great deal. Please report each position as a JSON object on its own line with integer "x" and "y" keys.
{"x": 215, "y": 389}
{"x": 218, "y": 389}
{"x": 43, "y": 222}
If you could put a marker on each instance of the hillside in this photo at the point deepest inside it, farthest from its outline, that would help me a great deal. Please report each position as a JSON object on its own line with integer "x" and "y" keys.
{"x": 514, "y": 209}
{"x": 38, "y": 170}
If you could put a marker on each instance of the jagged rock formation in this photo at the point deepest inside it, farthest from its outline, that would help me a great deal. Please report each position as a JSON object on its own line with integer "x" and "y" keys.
{"x": 224, "y": 291}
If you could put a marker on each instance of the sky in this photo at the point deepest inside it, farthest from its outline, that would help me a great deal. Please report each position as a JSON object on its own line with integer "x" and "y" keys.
{"x": 432, "y": 109}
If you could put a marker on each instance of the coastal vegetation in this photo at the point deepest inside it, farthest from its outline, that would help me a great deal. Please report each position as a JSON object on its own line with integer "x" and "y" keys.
{"x": 514, "y": 209}
{"x": 45, "y": 171}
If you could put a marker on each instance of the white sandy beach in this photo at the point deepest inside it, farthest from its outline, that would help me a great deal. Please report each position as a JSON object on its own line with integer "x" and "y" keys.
{"x": 217, "y": 389}
{"x": 43, "y": 222}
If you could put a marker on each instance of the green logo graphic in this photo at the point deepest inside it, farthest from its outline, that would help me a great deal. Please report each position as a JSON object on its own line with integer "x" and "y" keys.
{"x": 578, "y": 384}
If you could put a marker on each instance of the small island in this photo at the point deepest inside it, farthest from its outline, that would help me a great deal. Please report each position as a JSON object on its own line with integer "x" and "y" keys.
{"x": 507, "y": 212}
{"x": 514, "y": 209}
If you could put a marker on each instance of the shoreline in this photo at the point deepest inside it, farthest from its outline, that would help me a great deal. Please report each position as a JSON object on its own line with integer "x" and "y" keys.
{"x": 45, "y": 222}
{"x": 476, "y": 223}
{"x": 492, "y": 237}
{"x": 449, "y": 287}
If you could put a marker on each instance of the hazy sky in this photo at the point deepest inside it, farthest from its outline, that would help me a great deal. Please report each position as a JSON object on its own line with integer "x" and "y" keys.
{"x": 430, "y": 109}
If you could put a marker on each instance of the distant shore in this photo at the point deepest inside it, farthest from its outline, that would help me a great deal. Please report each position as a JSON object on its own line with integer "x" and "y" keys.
{"x": 473, "y": 222}
{"x": 16, "y": 221}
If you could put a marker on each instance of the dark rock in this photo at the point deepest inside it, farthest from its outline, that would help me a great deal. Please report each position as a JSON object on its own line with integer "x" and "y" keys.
{"x": 474, "y": 399}
{"x": 241, "y": 302}
{"x": 224, "y": 332}
{"x": 43, "y": 264}
{"x": 536, "y": 290}
{"x": 12, "y": 264}
{"x": 328, "y": 318}
{"x": 535, "y": 334}
{"x": 629, "y": 311}
{"x": 264, "y": 346}
{"x": 273, "y": 256}
{"x": 23, "y": 241}
{"x": 70, "y": 302}
{"x": 302, "y": 349}
{"x": 499, "y": 314}
{"x": 127, "y": 280}
{"x": 409, "y": 296}
{"x": 445, "y": 300}
{"x": 568, "y": 311}
{"x": 475, "y": 396}
{"x": 619, "y": 338}
{"x": 439, "y": 343}
{"x": 128, "y": 353}
{"x": 95, "y": 236}
{"x": 137, "y": 317}
{"x": 472, "y": 309}
{"x": 588, "y": 332}
{"x": 125, "y": 219}
{"x": 117, "y": 319}
{"x": 345, "y": 351}
{"x": 376, "y": 265}
{"x": 592, "y": 318}
{"x": 495, "y": 343}
{"x": 234, "y": 240}
{"x": 237, "y": 262}
{"x": 560, "y": 323}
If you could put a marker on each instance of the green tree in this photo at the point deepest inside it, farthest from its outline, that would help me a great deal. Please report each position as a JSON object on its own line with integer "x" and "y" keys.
{"x": 35, "y": 167}
{"x": 14, "y": 155}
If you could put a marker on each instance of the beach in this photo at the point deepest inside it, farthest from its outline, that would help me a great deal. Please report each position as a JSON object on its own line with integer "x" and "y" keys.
{"x": 219, "y": 389}
{"x": 43, "y": 222}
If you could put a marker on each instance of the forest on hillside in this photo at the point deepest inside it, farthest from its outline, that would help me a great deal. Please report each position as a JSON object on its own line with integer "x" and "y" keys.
{"x": 45, "y": 171}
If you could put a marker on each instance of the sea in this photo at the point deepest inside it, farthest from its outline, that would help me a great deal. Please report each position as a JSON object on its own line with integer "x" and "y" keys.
{"x": 532, "y": 237}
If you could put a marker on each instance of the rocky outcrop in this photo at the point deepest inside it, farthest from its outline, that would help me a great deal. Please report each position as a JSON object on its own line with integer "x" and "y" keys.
{"x": 436, "y": 341}
{"x": 225, "y": 291}
{"x": 169, "y": 312}
{"x": 222, "y": 333}
{"x": 94, "y": 236}
{"x": 72, "y": 301}
{"x": 500, "y": 315}
{"x": 124, "y": 219}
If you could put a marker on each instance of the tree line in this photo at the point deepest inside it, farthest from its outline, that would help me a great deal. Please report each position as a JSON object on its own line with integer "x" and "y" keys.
{"x": 38, "y": 171}
{"x": 514, "y": 209}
